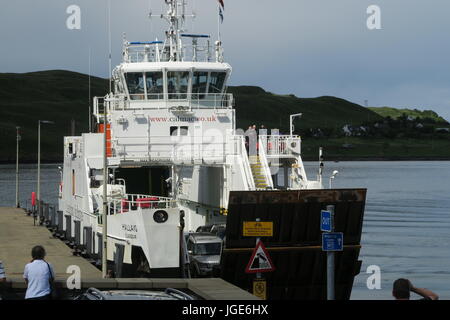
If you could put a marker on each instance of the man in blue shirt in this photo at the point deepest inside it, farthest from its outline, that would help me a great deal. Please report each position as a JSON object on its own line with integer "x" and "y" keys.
{"x": 39, "y": 276}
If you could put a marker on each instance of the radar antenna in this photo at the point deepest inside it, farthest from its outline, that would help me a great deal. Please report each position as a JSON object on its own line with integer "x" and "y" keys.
{"x": 175, "y": 16}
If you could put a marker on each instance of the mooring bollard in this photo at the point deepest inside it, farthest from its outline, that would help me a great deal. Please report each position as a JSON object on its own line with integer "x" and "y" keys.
{"x": 41, "y": 212}
{"x": 46, "y": 215}
{"x": 53, "y": 217}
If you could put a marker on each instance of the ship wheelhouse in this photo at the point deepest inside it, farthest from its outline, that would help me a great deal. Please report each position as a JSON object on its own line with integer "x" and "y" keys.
{"x": 155, "y": 74}
{"x": 152, "y": 82}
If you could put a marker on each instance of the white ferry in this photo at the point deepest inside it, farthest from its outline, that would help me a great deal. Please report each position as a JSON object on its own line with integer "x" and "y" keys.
{"x": 173, "y": 154}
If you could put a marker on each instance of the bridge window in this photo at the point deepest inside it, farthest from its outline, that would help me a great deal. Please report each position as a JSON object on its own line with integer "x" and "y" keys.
{"x": 177, "y": 84}
{"x": 136, "y": 87}
{"x": 199, "y": 85}
{"x": 216, "y": 82}
{"x": 155, "y": 85}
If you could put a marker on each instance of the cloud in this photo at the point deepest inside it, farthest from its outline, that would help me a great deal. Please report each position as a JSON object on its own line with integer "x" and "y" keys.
{"x": 308, "y": 48}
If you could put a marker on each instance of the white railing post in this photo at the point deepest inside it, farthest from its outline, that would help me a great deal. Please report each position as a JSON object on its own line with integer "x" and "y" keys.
{"x": 246, "y": 165}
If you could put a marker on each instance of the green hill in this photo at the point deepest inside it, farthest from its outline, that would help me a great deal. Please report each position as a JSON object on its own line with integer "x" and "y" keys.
{"x": 414, "y": 113}
{"x": 61, "y": 96}
{"x": 256, "y": 106}
{"x": 50, "y": 95}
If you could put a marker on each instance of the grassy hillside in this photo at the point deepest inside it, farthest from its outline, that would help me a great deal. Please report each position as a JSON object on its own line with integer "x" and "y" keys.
{"x": 61, "y": 96}
{"x": 418, "y": 114}
{"x": 51, "y": 95}
{"x": 256, "y": 106}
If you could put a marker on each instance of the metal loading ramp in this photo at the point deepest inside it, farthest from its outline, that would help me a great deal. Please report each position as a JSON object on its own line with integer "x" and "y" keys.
{"x": 296, "y": 244}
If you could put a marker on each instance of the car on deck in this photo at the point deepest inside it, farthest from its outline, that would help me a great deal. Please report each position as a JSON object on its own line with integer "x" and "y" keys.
{"x": 204, "y": 251}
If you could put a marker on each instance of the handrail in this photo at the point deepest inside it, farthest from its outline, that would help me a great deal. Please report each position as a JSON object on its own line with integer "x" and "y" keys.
{"x": 277, "y": 145}
{"x": 142, "y": 52}
{"x": 265, "y": 164}
{"x": 134, "y": 201}
{"x": 189, "y": 101}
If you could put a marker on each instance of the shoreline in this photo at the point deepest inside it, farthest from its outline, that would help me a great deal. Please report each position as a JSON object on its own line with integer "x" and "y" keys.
{"x": 308, "y": 159}
{"x": 343, "y": 159}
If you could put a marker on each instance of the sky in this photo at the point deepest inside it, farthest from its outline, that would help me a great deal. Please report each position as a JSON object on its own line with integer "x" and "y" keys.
{"x": 308, "y": 48}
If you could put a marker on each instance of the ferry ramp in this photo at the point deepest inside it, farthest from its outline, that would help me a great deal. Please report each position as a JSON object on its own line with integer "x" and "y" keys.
{"x": 295, "y": 247}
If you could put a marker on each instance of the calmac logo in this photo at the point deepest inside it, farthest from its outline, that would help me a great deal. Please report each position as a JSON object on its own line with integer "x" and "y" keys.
{"x": 129, "y": 228}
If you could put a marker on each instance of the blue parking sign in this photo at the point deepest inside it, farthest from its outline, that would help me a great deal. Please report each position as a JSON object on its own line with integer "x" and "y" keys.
{"x": 332, "y": 241}
{"x": 325, "y": 221}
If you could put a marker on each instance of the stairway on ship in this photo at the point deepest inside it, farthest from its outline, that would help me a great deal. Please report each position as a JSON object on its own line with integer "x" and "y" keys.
{"x": 258, "y": 173}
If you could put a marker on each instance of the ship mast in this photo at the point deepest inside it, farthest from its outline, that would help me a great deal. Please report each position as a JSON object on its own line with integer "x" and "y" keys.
{"x": 175, "y": 16}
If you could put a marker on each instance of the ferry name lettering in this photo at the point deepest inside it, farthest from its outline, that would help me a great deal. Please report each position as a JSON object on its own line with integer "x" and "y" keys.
{"x": 129, "y": 227}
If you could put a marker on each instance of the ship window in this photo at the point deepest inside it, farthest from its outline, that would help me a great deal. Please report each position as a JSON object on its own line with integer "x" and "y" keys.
{"x": 199, "y": 84}
{"x": 155, "y": 85}
{"x": 217, "y": 81}
{"x": 179, "y": 131}
{"x": 135, "y": 83}
{"x": 184, "y": 131}
{"x": 73, "y": 182}
{"x": 177, "y": 84}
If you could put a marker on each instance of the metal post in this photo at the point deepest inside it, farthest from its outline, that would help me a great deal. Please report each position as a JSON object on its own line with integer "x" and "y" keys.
{"x": 90, "y": 112}
{"x": 39, "y": 162}
{"x": 330, "y": 262}
{"x": 17, "y": 167}
{"x": 39, "y": 168}
{"x": 333, "y": 176}
{"x": 320, "y": 166}
{"x": 258, "y": 274}
{"x": 291, "y": 122}
{"x": 105, "y": 194}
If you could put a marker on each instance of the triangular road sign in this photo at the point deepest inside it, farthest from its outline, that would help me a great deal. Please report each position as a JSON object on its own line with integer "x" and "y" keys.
{"x": 260, "y": 260}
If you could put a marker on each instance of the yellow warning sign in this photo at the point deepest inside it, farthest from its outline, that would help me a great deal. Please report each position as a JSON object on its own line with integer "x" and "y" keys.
{"x": 260, "y": 289}
{"x": 258, "y": 229}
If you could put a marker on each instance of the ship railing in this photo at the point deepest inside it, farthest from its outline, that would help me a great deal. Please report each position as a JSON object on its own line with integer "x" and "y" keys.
{"x": 157, "y": 53}
{"x": 109, "y": 104}
{"x": 210, "y": 149}
{"x": 132, "y": 202}
{"x": 280, "y": 145}
{"x": 176, "y": 102}
{"x": 242, "y": 152}
{"x": 187, "y": 101}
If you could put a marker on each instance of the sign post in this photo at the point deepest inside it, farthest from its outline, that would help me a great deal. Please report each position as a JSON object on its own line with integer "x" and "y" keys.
{"x": 331, "y": 242}
{"x": 260, "y": 260}
{"x": 258, "y": 239}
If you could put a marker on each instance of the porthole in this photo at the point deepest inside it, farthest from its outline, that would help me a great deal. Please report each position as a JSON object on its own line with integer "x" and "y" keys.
{"x": 160, "y": 216}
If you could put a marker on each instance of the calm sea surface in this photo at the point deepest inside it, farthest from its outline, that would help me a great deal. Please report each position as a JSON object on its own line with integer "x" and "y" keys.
{"x": 406, "y": 227}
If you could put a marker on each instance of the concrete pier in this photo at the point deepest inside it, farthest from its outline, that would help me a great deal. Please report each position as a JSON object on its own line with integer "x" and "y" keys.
{"x": 18, "y": 235}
